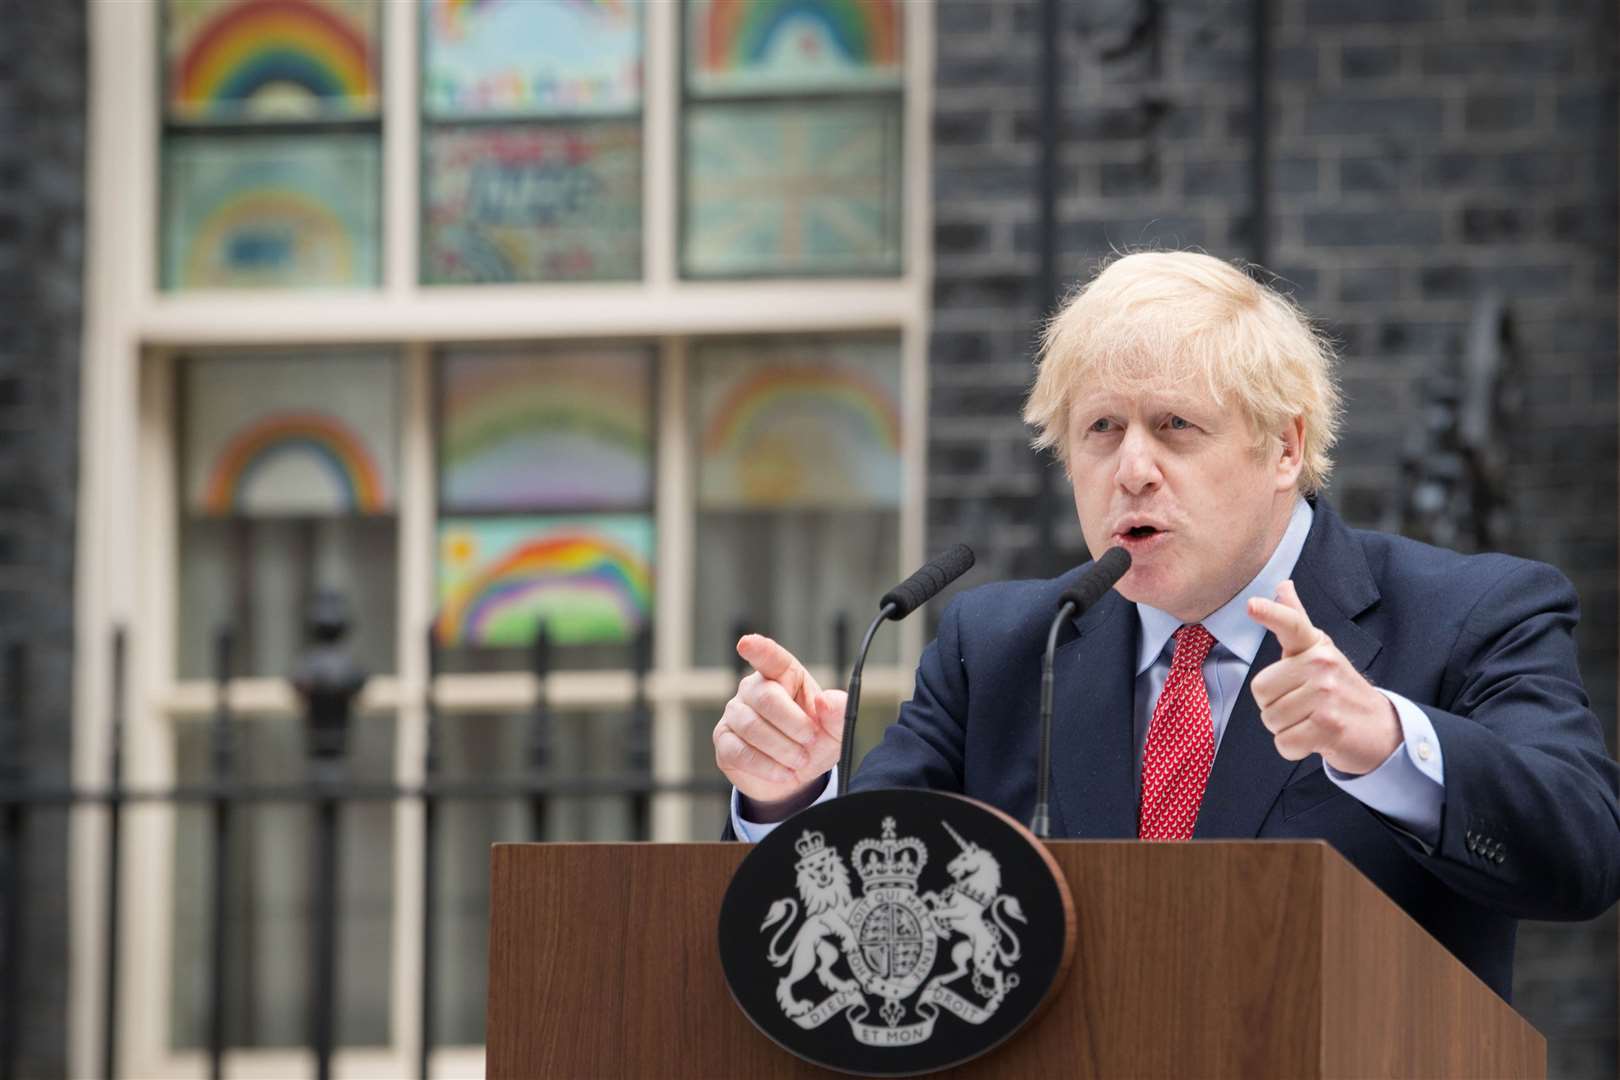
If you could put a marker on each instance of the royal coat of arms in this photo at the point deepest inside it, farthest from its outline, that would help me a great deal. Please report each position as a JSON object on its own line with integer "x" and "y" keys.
{"x": 882, "y": 955}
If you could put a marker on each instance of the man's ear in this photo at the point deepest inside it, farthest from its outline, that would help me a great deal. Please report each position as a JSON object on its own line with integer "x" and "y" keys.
{"x": 1292, "y": 461}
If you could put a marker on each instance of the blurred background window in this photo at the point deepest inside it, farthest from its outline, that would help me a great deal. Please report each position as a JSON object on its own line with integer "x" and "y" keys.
{"x": 531, "y": 165}
{"x": 791, "y": 138}
{"x": 797, "y": 445}
{"x": 514, "y": 410}
{"x": 290, "y": 480}
{"x": 546, "y": 504}
{"x": 271, "y": 144}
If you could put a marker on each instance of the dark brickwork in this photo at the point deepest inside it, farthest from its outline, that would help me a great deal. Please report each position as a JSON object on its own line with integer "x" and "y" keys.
{"x": 1420, "y": 150}
{"x": 43, "y": 97}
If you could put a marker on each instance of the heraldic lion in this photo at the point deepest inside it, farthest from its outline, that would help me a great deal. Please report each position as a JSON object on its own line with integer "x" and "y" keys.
{"x": 824, "y": 890}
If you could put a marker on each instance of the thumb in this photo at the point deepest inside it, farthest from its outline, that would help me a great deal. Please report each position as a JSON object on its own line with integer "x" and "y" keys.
{"x": 830, "y": 711}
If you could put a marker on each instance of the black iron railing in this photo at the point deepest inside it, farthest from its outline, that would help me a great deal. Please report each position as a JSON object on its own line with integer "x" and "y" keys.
{"x": 328, "y": 683}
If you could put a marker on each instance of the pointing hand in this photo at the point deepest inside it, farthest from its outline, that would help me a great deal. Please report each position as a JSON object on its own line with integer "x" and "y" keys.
{"x": 781, "y": 732}
{"x": 1313, "y": 700}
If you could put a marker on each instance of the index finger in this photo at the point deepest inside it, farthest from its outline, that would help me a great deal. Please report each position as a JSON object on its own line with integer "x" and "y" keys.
{"x": 777, "y": 664}
{"x": 1293, "y": 629}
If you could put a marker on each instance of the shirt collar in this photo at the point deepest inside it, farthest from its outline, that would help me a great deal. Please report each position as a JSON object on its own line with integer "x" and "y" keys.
{"x": 1230, "y": 625}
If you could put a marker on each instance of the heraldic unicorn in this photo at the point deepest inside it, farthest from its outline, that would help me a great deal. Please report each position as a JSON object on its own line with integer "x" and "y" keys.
{"x": 885, "y": 943}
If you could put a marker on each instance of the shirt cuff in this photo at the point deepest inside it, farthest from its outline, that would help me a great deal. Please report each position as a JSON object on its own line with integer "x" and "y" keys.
{"x": 755, "y": 831}
{"x": 1409, "y": 787}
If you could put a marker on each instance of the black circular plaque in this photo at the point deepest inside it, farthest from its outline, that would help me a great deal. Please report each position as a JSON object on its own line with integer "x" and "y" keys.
{"x": 895, "y": 932}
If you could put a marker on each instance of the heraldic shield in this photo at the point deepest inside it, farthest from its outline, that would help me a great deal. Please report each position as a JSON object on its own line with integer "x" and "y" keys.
{"x": 893, "y": 932}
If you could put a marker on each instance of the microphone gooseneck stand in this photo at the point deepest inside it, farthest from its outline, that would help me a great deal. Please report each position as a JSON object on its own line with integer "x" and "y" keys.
{"x": 896, "y": 604}
{"x": 1098, "y": 579}
{"x": 852, "y": 704}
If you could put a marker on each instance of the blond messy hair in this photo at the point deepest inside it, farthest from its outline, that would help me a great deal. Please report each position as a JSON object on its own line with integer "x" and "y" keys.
{"x": 1161, "y": 318}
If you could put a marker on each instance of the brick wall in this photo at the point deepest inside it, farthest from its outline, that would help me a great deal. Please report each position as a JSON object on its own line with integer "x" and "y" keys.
{"x": 42, "y": 130}
{"x": 1420, "y": 150}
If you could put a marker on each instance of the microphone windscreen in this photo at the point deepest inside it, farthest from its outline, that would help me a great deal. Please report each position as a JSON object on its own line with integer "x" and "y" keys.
{"x": 1098, "y": 579}
{"x": 926, "y": 583}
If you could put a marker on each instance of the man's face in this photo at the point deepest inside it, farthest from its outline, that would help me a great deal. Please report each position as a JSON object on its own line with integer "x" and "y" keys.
{"x": 1173, "y": 478}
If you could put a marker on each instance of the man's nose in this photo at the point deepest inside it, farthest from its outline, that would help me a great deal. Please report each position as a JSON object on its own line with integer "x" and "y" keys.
{"x": 1138, "y": 464}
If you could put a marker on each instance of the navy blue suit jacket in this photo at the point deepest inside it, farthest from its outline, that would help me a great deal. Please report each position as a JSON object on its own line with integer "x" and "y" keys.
{"x": 1483, "y": 643}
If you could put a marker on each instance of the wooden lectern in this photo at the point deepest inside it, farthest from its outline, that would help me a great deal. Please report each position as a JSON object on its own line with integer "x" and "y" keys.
{"x": 1233, "y": 958}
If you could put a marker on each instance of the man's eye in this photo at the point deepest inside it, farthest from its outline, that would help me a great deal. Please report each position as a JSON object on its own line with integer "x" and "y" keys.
{"x": 1101, "y": 426}
{"x": 1178, "y": 424}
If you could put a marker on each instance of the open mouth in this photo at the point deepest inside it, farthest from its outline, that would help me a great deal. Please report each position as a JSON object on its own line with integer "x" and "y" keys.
{"x": 1139, "y": 535}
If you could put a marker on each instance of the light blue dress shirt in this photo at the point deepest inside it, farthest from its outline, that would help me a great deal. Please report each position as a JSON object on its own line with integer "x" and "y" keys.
{"x": 1408, "y": 788}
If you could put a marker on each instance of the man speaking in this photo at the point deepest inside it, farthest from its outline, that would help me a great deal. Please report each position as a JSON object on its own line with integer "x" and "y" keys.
{"x": 1262, "y": 670}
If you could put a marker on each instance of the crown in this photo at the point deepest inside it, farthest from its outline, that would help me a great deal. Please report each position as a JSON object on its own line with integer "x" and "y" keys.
{"x": 812, "y": 847}
{"x": 890, "y": 861}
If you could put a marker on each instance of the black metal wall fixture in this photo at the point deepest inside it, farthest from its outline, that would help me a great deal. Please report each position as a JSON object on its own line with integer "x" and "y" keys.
{"x": 1453, "y": 488}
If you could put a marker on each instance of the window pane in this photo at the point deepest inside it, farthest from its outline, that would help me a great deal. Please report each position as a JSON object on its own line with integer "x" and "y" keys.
{"x": 530, "y": 59}
{"x": 792, "y": 189}
{"x": 231, "y": 60}
{"x": 581, "y": 745}
{"x": 798, "y": 424}
{"x": 798, "y": 450}
{"x": 290, "y": 475}
{"x": 776, "y": 46}
{"x": 791, "y": 574}
{"x": 270, "y": 916}
{"x": 532, "y": 203}
{"x": 284, "y": 211}
{"x": 588, "y": 578}
{"x": 274, "y": 436}
{"x": 257, "y": 575}
{"x": 546, "y": 430}
{"x": 710, "y": 813}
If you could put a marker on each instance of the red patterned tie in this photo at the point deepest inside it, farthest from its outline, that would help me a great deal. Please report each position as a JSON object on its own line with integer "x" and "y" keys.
{"x": 1180, "y": 743}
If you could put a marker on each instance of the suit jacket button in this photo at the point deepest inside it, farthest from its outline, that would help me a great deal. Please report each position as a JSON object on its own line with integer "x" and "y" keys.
{"x": 1499, "y": 856}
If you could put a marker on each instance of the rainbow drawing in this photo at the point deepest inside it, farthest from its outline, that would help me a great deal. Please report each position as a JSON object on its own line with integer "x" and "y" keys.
{"x": 774, "y": 393}
{"x": 341, "y": 454}
{"x": 448, "y": 18}
{"x": 799, "y": 434}
{"x": 270, "y": 212}
{"x": 546, "y": 432}
{"x": 588, "y": 579}
{"x": 739, "y": 46}
{"x": 276, "y": 57}
{"x": 265, "y": 234}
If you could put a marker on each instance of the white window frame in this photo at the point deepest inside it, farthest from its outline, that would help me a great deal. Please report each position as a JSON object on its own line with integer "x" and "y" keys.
{"x": 127, "y": 502}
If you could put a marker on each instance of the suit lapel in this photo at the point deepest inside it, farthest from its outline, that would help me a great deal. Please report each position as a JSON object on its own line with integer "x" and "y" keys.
{"x": 1335, "y": 586}
{"x": 1093, "y": 737}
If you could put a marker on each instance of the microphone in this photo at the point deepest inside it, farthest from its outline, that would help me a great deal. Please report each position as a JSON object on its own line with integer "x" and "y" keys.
{"x": 1097, "y": 580}
{"x": 926, "y": 583}
{"x": 896, "y": 604}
